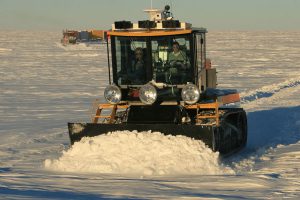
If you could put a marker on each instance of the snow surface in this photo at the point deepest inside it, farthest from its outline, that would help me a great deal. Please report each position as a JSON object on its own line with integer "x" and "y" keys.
{"x": 44, "y": 85}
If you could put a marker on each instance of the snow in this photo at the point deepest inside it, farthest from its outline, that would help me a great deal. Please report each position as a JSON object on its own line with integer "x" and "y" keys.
{"x": 44, "y": 85}
{"x": 4, "y": 50}
{"x": 139, "y": 153}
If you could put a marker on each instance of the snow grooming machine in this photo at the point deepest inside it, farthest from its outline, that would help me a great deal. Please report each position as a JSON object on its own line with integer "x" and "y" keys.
{"x": 170, "y": 88}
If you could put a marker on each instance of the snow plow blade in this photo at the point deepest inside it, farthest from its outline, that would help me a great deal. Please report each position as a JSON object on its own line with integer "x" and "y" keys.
{"x": 227, "y": 134}
{"x": 204, "y": 133}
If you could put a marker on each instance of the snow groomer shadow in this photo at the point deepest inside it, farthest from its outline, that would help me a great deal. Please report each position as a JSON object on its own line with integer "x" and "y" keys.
{"x": 269, "y": 128}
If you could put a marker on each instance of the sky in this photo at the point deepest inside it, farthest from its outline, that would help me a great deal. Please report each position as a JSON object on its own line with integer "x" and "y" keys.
{"x": 100, "y": 14}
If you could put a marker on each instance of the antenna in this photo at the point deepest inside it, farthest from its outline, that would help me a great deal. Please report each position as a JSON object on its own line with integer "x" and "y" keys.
{"x": 151, "y": 4}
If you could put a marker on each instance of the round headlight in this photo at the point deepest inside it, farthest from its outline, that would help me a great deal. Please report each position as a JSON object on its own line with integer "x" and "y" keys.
{"x": 148, "y": 94}
{"x": 190, "y": 94}
{"x": 112, "y": 94}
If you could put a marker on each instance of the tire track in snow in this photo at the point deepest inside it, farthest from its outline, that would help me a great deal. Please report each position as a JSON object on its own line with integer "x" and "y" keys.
{"x": 273, "y": 114}
{"x": 268, "y": 91}
{"x": 274, "y": 119}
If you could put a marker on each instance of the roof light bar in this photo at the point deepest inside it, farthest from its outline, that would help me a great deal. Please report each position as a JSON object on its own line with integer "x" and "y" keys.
{"x": 123, "y": 24}
{"x": 147, "y": 24}
{"x": 171, "y": 24}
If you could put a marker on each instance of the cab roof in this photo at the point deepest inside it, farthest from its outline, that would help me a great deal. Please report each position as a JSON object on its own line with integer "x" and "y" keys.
{"x": 160, "y": 23}
{"x": 144, "y": 32}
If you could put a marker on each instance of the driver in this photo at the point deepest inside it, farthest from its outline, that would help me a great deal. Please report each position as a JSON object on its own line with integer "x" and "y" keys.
{"x": 136, "y": 74}
{"x": 139, "y": 64}
{"x": 178, "y": 71}
{"x": 177, "y": 57}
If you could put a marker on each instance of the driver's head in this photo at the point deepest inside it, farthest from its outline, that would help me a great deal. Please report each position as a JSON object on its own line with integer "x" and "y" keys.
{"x": 175, "y": 47}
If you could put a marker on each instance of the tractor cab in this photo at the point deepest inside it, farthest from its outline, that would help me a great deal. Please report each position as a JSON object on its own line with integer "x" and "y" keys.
{"x": 167, "y": 53}
{"x": 157, "y": 56}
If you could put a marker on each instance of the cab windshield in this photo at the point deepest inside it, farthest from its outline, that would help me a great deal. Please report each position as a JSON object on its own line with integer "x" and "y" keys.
{"x": 164, "y": 59}
{"x": 171, "y": 59}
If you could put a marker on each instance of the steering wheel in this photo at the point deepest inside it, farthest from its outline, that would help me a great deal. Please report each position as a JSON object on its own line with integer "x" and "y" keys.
{"x": 179, "y": 64}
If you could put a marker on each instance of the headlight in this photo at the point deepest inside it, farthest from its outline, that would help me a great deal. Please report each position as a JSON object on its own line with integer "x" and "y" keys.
{"x": 190, "y": 94}
{"x": 148, "y": 94}
{"x": 112, "y": 94}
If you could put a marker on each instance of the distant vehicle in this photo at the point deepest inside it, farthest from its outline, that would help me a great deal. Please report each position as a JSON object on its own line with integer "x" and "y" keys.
{"x": 158, "y": 94}
{"x": 87, "y": 37}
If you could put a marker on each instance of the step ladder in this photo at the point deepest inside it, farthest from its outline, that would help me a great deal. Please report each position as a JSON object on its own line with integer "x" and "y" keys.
{"x": 112, "y": 115}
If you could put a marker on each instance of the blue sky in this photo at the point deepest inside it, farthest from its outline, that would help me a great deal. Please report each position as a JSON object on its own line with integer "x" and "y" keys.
{"x": 100, "y": 14}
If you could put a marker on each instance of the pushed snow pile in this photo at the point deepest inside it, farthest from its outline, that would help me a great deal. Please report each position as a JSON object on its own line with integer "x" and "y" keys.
{"x": 141, "y": 153}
